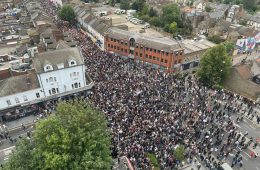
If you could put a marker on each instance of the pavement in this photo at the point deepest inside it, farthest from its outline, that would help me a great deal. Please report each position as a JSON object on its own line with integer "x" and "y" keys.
{"x": 237, "y": 59}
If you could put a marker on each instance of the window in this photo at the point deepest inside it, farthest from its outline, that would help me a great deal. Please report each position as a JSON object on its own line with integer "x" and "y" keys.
{"x": 117, "y": 41}
{"x": 158, "y": 51}
{"x": 141, "y": 47}
{"x": 166, "y": 61}
{"x": 150, "y": 57}
{"x": 167, "y": 54}
{"x": 114, "y": 40}
{"x": 161, "y": 60}
{"x": 126, "y": 50}
{"x": 162, "y": 52}
{"x": 125, "y": 43}
{"x": 55, "y": 79}
{"x": 25, "y": 98}
{"x": 79, "y": 85}
{"x": 122, "y": 42}
{"x": 114, "y": 47}
{"x": 76, "y": 85}
{"x": 177, "y": 53}
{"x": 74, "y": 74}
{"x": 122, "y": 49}
{"x": 146, "y": 56}
{"x": 141, "y": 55}
{"x": 111, "y": 46}
{"x": 147, "y": 49}
{"x": 17, "y": 100}
{"x": 179, "y": 60}
{"x": 50, "y": 79}
{"x": 38, "y": 95}
{"x": 154, "y": 50}
{"x": 151, "y": 49}
{"x": 136, "y": 53}
{"x": 108, "y": 45}
{"x": 111, "y": 39}
{"x": 181, "y": 53}
{"x": 57, "y": 90}
{"x": 72, "y": 63}
{"x": 53, "y": 91}
{"x": 47, "y": 80}
{"x": 136, "y": 46}
{"x": 72, "y": 86}
{"x": 8, "y": 102}
{"x": 154, "y": 58}
{"x": 118, "y": 48}
{"x": 50, "y": 92}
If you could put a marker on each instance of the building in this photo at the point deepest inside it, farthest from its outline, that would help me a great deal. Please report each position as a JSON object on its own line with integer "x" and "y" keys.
{"x": 52, "y": 74}
{"x": 161, "y": 53}
{"x": 194, "y": 50}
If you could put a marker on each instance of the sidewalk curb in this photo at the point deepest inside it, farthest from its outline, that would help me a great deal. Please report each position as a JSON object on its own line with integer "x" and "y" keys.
{"x": 18, "y": 128}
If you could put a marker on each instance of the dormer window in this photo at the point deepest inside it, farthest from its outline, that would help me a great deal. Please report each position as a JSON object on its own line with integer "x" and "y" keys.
{"x": 72, "y": 63}
{"x": 48, "y": 68}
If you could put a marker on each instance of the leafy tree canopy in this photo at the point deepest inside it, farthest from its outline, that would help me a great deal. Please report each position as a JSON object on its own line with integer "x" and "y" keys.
{"x": 215, "y": 39}
{"x": 170, "y": 14}
{"x": 76, "y": 138}
{"x": 124, "y": 4}
{"x": 67, "y": 13}
{"x": 214, "y": 66}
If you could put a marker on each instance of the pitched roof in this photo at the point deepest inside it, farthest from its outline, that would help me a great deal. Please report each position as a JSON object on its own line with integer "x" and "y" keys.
{"x": 18, "y": 84}
{"x": 165, "y": 44}
{"x": 56, "y": 57}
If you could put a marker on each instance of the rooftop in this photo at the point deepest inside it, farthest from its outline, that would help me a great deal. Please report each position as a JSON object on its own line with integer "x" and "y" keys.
{"x": 191, "y": 46}
{"x": 18, "y": 84}
{"x": 57, "y": 57}
{"x": 163, "y": 43}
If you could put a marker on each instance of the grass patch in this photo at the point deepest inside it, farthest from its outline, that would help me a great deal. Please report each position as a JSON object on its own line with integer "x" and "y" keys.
{"x": 153, "y": 160}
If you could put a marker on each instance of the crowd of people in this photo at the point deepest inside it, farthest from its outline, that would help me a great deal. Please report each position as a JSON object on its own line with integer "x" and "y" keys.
{"x": 149, "y": 111}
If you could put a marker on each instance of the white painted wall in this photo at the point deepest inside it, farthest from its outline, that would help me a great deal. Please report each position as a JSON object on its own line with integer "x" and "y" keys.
{"x": 30, "y": 95}
{"x": 98, "y": 36}
{"x": 64, "y": 79}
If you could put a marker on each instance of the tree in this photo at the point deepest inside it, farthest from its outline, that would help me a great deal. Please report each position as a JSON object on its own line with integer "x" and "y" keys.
{"x": 124, "y": 4}
{"x": 208, "y": 9}
{"x": 215, "y": 39}
{"x": 215, "y": 65}
{"x": 152, "y": 12}
{"x": 243, "y": 22}
{"x": 179, "y": 153}
{"x": 75, "y": 138}
{"x": 229, "y": 47}
{"x": 138, "y": 5}
{"x": 67, "y": 13}
{"x": 112, "y": 2}
{"x": 170, "y": 14}
{"x": 155, "y": 21}
{"x": 250, "y": 5}
{"x": 22, "y": 158}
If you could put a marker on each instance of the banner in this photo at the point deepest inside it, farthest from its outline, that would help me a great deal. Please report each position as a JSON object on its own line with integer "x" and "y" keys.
{"x": 241, "y": 42}
{"x": 257, "y": 38}
{"x": 250, "y": 43}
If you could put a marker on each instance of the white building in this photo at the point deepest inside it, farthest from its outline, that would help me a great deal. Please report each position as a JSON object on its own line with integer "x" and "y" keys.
{"x": 55, "y": 74}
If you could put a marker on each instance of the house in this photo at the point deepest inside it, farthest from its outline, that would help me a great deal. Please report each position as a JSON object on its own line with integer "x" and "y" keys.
{"x": 53, "y": 74}
{"x": 253, "y": 21}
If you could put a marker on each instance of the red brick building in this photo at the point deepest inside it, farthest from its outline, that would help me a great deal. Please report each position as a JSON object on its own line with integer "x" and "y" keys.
{"x": 161, "y": 53}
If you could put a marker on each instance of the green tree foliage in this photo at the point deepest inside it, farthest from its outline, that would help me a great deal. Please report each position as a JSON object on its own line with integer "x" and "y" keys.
{"x": 124, "y": 4}
{"x": 215, "y": 39}
{"x": 153, "y": 160}
{"x": 214, "y": 66}
{"x": 22, "y": 158}
{"x": 138, "y": 5}
{"x": 243, "y": 22}
{"x": 170, "y": 14}
{"x": 229, "y": 47}
{"x": 179, "y": 153}
{"x": 112, "y": 2}
{"x": 67, "y": 13}
{"x": 208, "y": 9}
{"x": 250, "y": 5}
{"x": 155, "y": 21}
{"x": 76, "y": 138}
{"x": 171, "y": 28}
{"x": 152, "y": 12}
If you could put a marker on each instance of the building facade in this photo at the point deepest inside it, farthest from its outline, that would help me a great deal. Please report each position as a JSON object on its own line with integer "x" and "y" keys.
{"x": 54, "y": 74}
{"x": 160, "y": 53}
